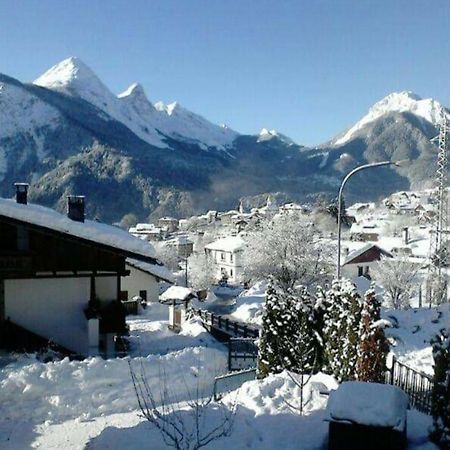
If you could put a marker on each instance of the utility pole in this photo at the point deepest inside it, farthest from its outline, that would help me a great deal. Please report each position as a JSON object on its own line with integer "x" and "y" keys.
{"x": 437, "y": 275}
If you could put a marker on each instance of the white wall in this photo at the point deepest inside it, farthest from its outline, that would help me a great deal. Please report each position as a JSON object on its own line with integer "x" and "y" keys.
{"x": 140, "y": 281}
{"x": 106, "y": 288}
{"x": 51, "y": 308}
{"x": 351, "y": 270}
{"x": 226, "y": 264}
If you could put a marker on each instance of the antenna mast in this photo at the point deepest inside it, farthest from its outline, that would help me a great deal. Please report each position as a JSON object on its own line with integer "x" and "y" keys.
{"x": 437, "y": 276}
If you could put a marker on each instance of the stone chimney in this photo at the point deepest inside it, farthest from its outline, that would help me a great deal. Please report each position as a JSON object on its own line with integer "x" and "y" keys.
{"x": 21, "y": 193}
{"x": 75, "y": 207}
{"x": 405, "y": 235}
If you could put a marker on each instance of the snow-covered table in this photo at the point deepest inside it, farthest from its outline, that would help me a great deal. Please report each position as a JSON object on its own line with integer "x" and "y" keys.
{"x": 367, "y": 415}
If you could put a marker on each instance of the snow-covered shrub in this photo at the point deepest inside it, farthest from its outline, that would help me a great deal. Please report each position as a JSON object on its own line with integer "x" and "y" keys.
{"x": 373, "y": 345}
{"x": 287, "y": 338}
{"x": 342, "y": 315}
{"x": 440, "y": 433}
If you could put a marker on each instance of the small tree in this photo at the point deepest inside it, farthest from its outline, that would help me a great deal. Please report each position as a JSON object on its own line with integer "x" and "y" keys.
{"x": 182, "y": 428}
{"x": 440, "y": 432}
{"x": 341, "y": 325}
{"x": 286, "y": 251}
{"x": 287, "y": 337}
{"x": 201, "y": 271}
{"x": 373, "y": 345}
{"x": 397, "y": 277}
{"x": 167, "y": 254}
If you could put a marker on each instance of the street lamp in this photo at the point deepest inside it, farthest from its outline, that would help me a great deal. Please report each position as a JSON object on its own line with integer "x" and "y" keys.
{"x": 344, "y": 181}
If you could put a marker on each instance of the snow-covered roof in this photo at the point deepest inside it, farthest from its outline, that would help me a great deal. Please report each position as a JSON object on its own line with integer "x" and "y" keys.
{"x": 157, "y": 269}
{"x": 372, "y": 404}
{"x": 359, "y": 251}
{"x": 88, "y": 230}
{"x": 227, "y": 244}
{"x": 177, "y": 293}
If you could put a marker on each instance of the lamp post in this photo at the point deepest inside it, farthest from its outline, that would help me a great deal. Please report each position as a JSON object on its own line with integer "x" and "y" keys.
{"x": 344, "y": 181}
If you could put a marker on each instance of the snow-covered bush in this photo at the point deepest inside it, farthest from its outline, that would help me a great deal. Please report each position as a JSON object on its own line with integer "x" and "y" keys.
{"x": 287, "y": 252}
{"x": 373, "y": 344}
{"x": 287, "y": 338}
{"x": 397, "y": 277}
{"x": 440, "y": 433}
{"x": 342, "y": 315}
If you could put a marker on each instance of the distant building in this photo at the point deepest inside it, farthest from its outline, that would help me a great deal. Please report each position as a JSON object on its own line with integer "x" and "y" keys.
{"x": 143, "y": 280}
{"x": 358, "y": 262}
{"x": 168, "y": 224}
{"x": 226, "y": 255}
{"x": 147, "y": 231}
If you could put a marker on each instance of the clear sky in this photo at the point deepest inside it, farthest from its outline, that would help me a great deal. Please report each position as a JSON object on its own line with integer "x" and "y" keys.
{"x": 308, "y": 68}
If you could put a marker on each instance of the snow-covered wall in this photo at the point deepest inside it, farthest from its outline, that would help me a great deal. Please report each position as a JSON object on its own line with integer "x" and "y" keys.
{"x": 52, "y": 308}
{"x": 140, "y": 281}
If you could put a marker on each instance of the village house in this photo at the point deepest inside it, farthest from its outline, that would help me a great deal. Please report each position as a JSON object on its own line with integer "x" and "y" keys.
{"x": 226, "y": 255}
{"x": 60, "y": 277}
{"x": 147, "y": 231}
{"x": 143, "y": 280}
{"x": 168, "y": 224}
{"x": 358, "y": 262}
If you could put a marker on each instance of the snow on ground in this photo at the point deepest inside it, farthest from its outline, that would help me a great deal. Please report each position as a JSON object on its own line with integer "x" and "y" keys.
{"x": 412, "y": 332}
{"x": 37, "y": 399}
{"x": 249, "y": 304}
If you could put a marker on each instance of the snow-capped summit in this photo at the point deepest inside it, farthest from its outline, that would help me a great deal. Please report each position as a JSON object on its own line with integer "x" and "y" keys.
{"x": 405, "y": 101}
{"x": 266, "y": 135}
{"x": 132, "y": 107}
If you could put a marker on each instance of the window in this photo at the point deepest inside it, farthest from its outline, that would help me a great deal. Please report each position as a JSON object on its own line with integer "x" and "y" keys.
{"x": 231, "y": 257}
{"x": 124, "y": 296}
{"x": 231, "y": 272}
{"x": 222, "y": 256}
{"x": 360, "y": 271}
{"x": 143, "y": 295}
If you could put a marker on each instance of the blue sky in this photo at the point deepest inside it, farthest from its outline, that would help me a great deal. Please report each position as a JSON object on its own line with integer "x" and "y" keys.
{"x": 309, "y": 68}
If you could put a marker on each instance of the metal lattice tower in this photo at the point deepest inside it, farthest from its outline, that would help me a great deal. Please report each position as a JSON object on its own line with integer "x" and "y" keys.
{"x": 437, "y": 276}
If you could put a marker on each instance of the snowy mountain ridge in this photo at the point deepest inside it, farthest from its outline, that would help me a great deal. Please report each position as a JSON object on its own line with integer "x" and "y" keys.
{"x": 405, "y": 101}
{"x": 151, "y": 123}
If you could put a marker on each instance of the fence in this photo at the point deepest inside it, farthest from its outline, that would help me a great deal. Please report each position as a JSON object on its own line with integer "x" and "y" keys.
{"x": 232, "y": 381}
{"x": 226, "y": 325}
{"x": 242, "y": 353}
{"x": 417, "y": 385}
{"x": 130, "y": 306}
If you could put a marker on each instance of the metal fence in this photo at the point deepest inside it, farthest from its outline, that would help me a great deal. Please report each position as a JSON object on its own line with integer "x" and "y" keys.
{"x": 227, "y": 325}
{"x": 242, "y": 353}
{"x": 417, "y": 385}
{"x": 232, "y": 381}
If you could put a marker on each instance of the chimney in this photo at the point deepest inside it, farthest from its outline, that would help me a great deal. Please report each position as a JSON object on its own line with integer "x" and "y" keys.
{"x": 21, "y": 193}
{"x": 75, "y": 207}
{"x": 405, "y": 236}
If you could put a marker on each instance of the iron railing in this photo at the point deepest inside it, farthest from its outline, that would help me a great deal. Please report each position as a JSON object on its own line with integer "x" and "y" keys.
{"x": 418, "y": 385}
{"x": 232, "y": 381}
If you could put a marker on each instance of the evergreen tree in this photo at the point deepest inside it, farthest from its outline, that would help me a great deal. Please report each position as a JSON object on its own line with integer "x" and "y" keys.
{"x": 373, "y": 344}
{"x": 341, "y": 329}
{"x": 440, "y": 433}
{"x": 287, "y": 338}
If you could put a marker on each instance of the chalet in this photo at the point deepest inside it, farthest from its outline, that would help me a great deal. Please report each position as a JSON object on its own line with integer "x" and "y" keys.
{"x": 143, "y": 280}
{"x": 60, "y": 277}
{"x": 359, "y": 261}
{"x": 364, "y": 232}
{"x": 226, "y": 255}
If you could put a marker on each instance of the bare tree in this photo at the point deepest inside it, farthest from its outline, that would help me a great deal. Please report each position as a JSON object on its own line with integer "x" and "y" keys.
{"x": 184, "y": 428}
{"x": 397, "y": 276}
{"x": 287, "y": 250}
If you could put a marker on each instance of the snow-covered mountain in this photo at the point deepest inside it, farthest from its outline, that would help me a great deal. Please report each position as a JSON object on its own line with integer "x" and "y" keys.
{"x": 406, "y": 101}
{"x": 68, "y": 133}
{"x": 266, "y": 135}
{"x": 152, "y": 123}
